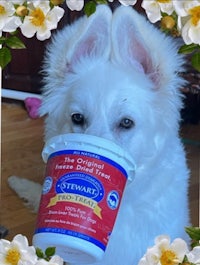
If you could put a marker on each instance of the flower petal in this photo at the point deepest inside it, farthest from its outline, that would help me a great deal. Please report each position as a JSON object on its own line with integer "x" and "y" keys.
{"x": 179, "y": 246}
{"x": 185, "y": 33}
{"x": 57, "y": 260}
{"x": 194, "y": 255}
{"x": 12, "y": 24}
{"x": 43, "y": 35}
{"x": 21, "y": 240}
{"x": 152, "y": 10}
{"x": 27, "y": 28}
{"x": 75, "y": 4}
{"x": 194, "y": 34}
{"x": 128, "y": 2}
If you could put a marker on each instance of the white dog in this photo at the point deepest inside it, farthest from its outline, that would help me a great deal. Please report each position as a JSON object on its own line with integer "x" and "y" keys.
{"x": 115, "y": 76}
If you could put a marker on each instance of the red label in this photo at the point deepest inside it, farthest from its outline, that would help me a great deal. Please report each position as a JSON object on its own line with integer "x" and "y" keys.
{"x": 81, "y": 196}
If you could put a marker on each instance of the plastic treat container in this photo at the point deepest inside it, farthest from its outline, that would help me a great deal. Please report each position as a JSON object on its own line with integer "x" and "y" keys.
{"x": 83, "y": 186}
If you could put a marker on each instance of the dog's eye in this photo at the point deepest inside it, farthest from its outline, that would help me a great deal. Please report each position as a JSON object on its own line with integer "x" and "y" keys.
{"x": 126, "y": 123}
{"x": 78, "y": 118}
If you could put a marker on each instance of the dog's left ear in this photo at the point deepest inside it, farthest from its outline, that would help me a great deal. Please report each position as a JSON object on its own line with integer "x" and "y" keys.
{"x": 94, "y": 40}
{"x": 131, "y": 46}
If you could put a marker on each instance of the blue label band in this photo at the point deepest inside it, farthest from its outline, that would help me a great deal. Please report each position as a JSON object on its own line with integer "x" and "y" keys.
{"x": 71, "y": 233}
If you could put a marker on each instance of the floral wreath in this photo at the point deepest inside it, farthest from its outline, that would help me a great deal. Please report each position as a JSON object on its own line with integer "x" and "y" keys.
{"x": 178, "y": 18}
{"x": 38, "y": 17}
{"x": 164, "y": 252}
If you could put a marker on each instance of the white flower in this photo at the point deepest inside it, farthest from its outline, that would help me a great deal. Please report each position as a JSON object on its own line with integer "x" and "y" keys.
{"x": 75, "y": 4}
{"x": 8, "y": 22}
{"x": 128, "y": 2}
{"x": 182, "y": 7}
{"x": 17, "y": 252}
{"x": 17, "y": 2}
{"x": 41, "y": 20}
{"x": 165, "y": 253}
{"x": 194, "y": 255}
{"x": 189, "y": 20}
{"x": 154, "y": 8}
{"x": 55, "y": 260}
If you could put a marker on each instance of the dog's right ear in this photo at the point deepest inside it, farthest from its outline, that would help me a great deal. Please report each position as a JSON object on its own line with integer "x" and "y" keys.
{"x": 88, "y": 37}
{"x": 94, "y": 40}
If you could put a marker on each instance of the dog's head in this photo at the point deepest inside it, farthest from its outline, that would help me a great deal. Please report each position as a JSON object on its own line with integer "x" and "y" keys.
{"x": 113, "y": 76}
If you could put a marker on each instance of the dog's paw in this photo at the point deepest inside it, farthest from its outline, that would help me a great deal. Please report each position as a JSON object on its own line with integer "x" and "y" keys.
{"x": 27, "y": 190}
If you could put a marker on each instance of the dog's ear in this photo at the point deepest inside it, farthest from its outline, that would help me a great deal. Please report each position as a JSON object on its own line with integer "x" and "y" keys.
{"x": 86, "y": 37}
{"x": 94, "y": 40}
{"x": 133, "y": 44}
{"x": 128, "y": 44}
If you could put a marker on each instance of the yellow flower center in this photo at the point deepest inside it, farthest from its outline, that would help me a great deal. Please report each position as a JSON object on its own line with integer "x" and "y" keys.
{"x": 163, "y": 1}
{"x": 195, "y": 13}
{"x": 167, "y": 22}
{"x": 168, "y": 257}
{"x": 37, "y": 17}
{"x": 2, "y": 10}
{"x": 56, "y": 2}
{"x": 22, "y": 11}
{"x": 13, "y": 256}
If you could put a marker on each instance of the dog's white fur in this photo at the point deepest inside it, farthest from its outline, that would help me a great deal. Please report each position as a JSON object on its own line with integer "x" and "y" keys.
{"x": 114, "y": 66}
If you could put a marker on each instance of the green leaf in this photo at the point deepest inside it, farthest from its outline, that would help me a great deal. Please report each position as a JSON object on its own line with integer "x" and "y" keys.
{"x": 90, "y": 8}
{"x": 13, "y": 32}
{"x": 185, "y": 260}
{"x": 2, "y": 40}
{"x": 39, "y": 253}
{"x": 196, "y": 64}
{"x": 193, "y": 232}
{"x": 101, "y": 2}
{"x": 195, "y": 244}
{"x": 15, "y": 43}
{"x": 186, "y": 49}
{"x": 5, "y": 56}
{"x": 49, "y": 252}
